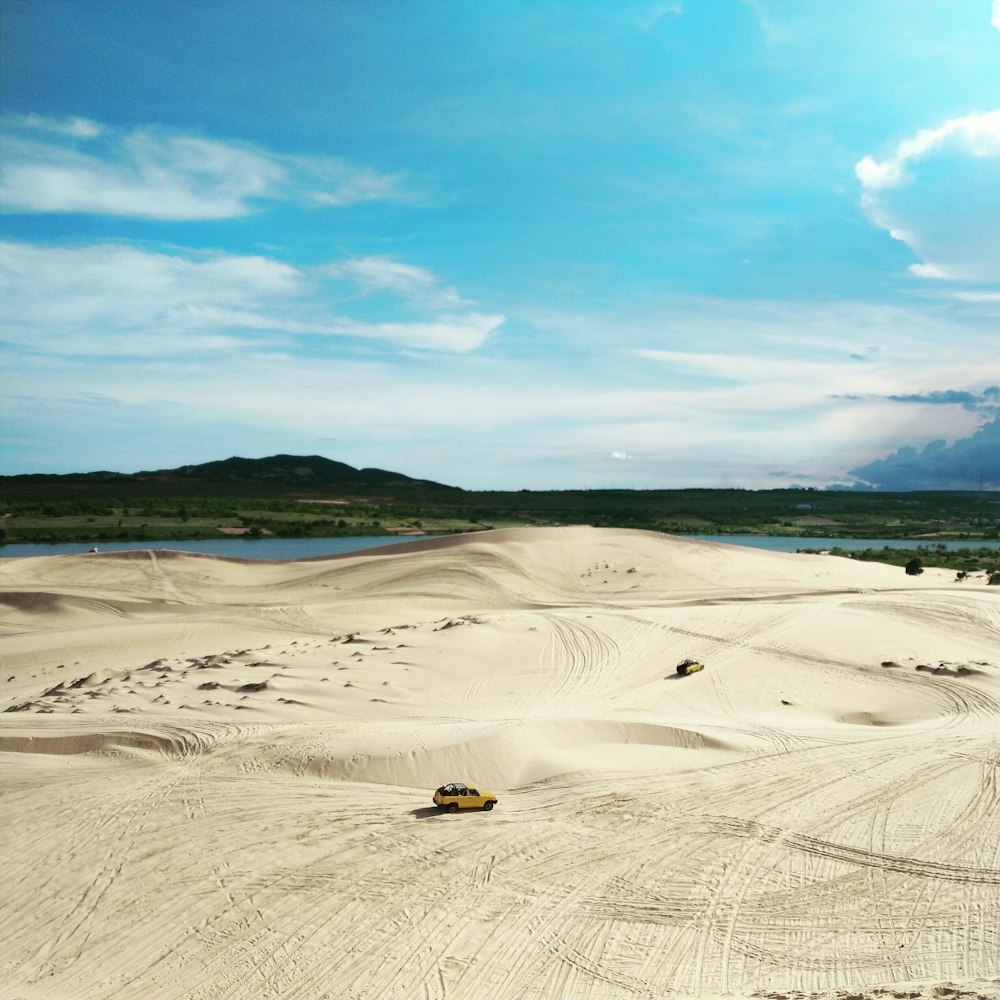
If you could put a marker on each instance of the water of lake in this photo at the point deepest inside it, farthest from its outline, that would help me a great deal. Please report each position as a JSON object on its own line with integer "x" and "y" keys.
{"x": 305, "y": 548}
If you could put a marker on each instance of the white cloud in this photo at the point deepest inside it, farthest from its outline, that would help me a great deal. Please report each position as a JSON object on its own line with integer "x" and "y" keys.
{"x": 81, "y": 128}
{"x": 649, "y": 18}
{"x": 689, "y": 391}
{"x": 384, "y": 274}
{"x": 88, "y": 291}
{"x": 939, "y": 193}
{"x": 555, "y": 432}
{"x": 929, "y": 270}
{"x": 977, "y": 296}
{"x": 976, "y": 134}
{"x": 76, "y": 165}
{"x": 346, "y": 184}
{"x": 735, "y": 367}
{"x": 995, "y": 20}
{"x": 752, "y": 386}
{"x": 460, "y": 333}
{"x": 128, "y": 301}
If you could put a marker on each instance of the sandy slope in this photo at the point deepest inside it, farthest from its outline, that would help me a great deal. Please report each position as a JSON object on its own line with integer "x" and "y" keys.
{"x": 218, "y": 774}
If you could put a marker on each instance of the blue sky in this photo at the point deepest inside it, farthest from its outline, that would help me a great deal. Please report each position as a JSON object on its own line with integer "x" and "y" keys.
{"x": 506, "y": 245}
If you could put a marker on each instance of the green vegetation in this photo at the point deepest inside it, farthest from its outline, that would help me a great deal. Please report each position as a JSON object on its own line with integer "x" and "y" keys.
{"x": 291, "y": 496}
{"x": 122, "y": 508}
{"x": 191, "y": 517}
{"x": 968, "y": 561}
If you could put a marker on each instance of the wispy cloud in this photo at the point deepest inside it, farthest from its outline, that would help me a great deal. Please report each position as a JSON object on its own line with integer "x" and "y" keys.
{"x": 384, "y": 274}
{"x": 332, "y": 182}
{"x": 129, "y": 301}
{"x": 614, "y": 197}
{"x": 650, "y": 17}
{"x": 76, "y": 165}
{"x": 952, "y": 222}
{"x": 459, "y": 333}
{"x": 88, "y": 300}
{"x": 725, "y": 392}
{"x": 75, "y": 126}
{"x": 762, "y": 381}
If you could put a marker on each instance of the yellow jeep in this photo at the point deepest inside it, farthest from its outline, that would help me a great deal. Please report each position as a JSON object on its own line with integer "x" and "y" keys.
{"x": 686, "y": 667}
{"x": 456, "y": 795}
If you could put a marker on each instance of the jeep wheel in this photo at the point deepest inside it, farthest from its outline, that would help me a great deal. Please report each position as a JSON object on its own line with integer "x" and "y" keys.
{"x": 453, "y": 807}
{"x": 488, "y": 806}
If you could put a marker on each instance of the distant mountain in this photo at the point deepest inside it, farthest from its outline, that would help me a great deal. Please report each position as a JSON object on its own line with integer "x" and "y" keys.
{"x": 293, "y": 470}
{"x": 276, "y": 474}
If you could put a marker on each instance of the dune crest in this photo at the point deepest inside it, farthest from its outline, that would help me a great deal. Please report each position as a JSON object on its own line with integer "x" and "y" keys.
{"x": 251, "y": 749}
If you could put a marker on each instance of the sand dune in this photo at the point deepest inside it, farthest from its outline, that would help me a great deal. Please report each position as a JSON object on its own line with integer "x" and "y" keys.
{"x": 218, "y": 774}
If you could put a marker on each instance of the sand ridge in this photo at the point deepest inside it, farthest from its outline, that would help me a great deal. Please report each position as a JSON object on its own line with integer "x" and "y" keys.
{"x": 218, "y": 773}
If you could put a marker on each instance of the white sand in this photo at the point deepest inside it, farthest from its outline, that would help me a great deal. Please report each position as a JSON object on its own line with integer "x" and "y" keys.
{"x": 799, "y": 819}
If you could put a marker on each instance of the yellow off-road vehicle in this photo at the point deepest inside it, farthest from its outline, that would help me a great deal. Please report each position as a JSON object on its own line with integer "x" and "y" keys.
{"x": 456, "y": 795}
{"x": 686, "y": 667}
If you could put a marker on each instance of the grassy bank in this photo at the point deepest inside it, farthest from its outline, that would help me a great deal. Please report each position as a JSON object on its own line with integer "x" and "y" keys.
{"x": 968, "y": 561}
{"x": 95, "y": 517}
